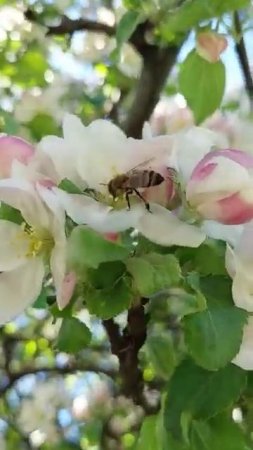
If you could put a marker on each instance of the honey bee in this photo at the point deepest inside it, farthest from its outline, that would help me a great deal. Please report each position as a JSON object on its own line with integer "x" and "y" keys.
{"x": 128, "y": 183}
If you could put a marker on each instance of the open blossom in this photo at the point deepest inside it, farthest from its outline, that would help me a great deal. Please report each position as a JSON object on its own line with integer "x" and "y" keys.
{"x": 221, "y": 187}
{"x": 13, "y": 148}
{"x": 26, "y": 248}
{"x": 92, "y": 156}
{"x": 239, "y": 264}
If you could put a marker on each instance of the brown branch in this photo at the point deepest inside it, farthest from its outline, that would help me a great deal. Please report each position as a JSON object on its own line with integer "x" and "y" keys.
{"x": 126, "y": 347}
{"x": 243, "y": 59}
{"x": 157, "y": 64}
{"x": 71, "y": 368}
{"x": 69, "y": 26}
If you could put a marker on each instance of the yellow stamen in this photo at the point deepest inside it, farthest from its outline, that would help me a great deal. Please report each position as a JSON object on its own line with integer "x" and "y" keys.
{"x": 31, "y": 242}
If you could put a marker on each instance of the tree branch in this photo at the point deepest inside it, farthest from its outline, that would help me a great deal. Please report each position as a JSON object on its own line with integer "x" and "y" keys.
{"x": 69, "y": 26}
{"x": 243, "y": 59}
{"x": 157, "y": 64}
{"x": 71, "y": 368}
{"x": 126, "y": 347}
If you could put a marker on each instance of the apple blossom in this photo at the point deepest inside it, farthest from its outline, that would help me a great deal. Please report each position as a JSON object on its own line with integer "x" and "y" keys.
{"x": 90, "y": 157}
{"x": 244, "y": 358}
{"x": 13, "y": 148}
{"x": 239, "y": 264}
{"x": 27, "y": 247}
{"x": 190, "y": 146}
{"x": 221, "y": 187}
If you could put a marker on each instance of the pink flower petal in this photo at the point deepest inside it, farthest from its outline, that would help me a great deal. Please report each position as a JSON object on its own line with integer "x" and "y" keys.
{"x": 11, "y": 148}
{"x": 67, "y": 289}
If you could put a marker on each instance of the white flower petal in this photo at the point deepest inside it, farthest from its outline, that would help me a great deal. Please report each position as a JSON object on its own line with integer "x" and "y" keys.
{"x": 13, "y": 246}
{"x": 52, "y": 202}
{"x": 64, "y": 156}
{"x": 227, "y": 233}
{"x": 66, "y": 290}
{"x": 73, "y": 129}
{"x": 102, "y": 128}
{"x": 22, "y": 195}
{"x": 244, "y": 358}
{"x": 242, "y": 290}
{"x": 163, "y": 227}
{"x": 85, "y": 210}
{"x": 191, "y": 145}
{"x": 244, "y": 248}
{"x": 230, "y": 261}
{"x": 147, "y": 131}
{"x": 19, "y": 288}
{"x": 58, "y": 269}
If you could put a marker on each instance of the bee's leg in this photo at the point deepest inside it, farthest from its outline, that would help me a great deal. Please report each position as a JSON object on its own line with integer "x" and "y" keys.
{"x": 128, "y": 193}
{"x": 147, "y": 205}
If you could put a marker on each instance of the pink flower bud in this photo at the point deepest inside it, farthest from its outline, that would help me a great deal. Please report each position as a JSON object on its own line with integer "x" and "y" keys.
{"x": 111, "y": 236}
{"x": 210, "y": 45}
{"x": 11, "y": 148}
{"x": 221, "y": 187}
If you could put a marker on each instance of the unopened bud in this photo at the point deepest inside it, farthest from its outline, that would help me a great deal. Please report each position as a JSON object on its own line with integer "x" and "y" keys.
{"x": 210, "y": 45}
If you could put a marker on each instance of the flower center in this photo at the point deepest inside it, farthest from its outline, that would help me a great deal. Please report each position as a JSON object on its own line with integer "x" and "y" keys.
{"x": 32, "y": 242}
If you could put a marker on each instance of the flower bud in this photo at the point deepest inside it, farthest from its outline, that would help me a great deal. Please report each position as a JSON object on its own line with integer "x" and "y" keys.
{"x": 221, "y": 187}
{"x": 210, "y": 45}
{"x": 13, "y": 148}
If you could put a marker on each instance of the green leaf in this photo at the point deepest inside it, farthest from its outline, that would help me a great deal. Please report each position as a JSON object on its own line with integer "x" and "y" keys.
{"x": 207, "y": 259}
{"x": 31, "y": 69}
{"x": 8, "y": 123}
{"x": 87, "y": 248}
{"x": 148, "y": 438}
{"x": 68, "y": 186}
{"x": 42, "y": 124}
{"x": 202, "y": 84}
{"x": 154, "y": 272}
{"x": 217, "y": 289}
{"x": 41, "y": 301}
{"x": 106, "y": 275}
{"x": 213, "y": 336}
{"x": 183, "y": 18}
{"x": 200, "y": 393}
{"x": 10, "y": 214}
{"x": 216, "y": 434}
{"x": 111, "y": 301}
{"x": 125, "y": 29}
{"x": 73, "y": 336}
{"x": 161, "y": 353}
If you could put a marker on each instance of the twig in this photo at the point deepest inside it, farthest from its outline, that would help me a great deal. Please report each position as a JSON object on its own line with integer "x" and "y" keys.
{"x": 71, "y": 368}
{"x": 69, "y": 26}
{"x": 243, "y": 59}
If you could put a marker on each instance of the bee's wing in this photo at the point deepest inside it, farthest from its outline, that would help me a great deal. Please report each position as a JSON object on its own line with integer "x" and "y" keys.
{"x": 144, "y": 163}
